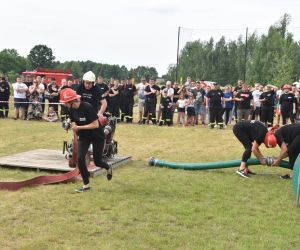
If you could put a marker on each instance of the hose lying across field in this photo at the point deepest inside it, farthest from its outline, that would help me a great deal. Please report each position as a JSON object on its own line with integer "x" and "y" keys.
{"x": 41, "y": 180}
{"x": 206, "y": 165}
{"x": 230, "y": 164}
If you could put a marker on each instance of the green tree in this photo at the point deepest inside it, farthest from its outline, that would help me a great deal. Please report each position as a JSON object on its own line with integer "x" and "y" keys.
{"x": 11, "y": 61}
{"x": 283, "y": 70}
{"x": 41, "y": 56}
{"x": 271, "y": 58}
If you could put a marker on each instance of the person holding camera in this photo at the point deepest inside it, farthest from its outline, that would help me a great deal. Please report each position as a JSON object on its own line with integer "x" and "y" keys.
{"x": 85, "y": 123}
{"x": 35, "y": 108}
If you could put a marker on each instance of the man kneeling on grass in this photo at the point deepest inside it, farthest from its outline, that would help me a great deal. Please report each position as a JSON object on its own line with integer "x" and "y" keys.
{"x": 251, "y": 134}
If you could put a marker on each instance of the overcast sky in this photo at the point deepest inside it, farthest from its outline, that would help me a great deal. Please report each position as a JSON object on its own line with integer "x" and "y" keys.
{"x": 132, "y": 32}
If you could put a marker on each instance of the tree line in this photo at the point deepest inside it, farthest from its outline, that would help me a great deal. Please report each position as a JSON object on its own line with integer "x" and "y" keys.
{"x": 270, "y": 58}
{"x": 12, "y": 65}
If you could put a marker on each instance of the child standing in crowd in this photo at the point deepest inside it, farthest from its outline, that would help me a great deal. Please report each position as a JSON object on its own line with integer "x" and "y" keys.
{"x": 181, "y": 103}
{"x": 166, "y": 108}
{"x": 190, "y": 111}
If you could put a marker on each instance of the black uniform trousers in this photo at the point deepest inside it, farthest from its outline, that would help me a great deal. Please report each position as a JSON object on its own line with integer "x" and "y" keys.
{"x": 267, "y": 115}
{"x": 227, "y": 114}
{"x": 114, "y": 109}
{"x": 122, "y": 107}
{"x": 150, "y": 110}
{"x": 287, "y": 112}
{"x": 166, "y": 115}
{"x": 4, "y": 108}
{"x": 293, "y": 151}
{"x": 215, "y": 115}
{"x": 128, "y": 108}
{"x": 83, "y": 146}
{"x": 244, "y": 138}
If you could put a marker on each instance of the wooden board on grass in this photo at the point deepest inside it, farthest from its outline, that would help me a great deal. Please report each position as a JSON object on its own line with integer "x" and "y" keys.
{"x": 51, "y": 160}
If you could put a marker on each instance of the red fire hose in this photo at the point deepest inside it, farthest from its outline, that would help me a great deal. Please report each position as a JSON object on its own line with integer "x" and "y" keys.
{"x": 40, "y": 180}
{"x": 48, "y": 179}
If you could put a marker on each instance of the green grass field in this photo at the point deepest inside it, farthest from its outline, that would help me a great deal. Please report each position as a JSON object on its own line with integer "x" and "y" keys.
{"x": 148, "y": 207}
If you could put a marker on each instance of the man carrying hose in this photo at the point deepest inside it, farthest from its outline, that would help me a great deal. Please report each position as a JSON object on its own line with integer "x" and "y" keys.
{"x": 288, "y": 139}
{"x": 84, "y": 121}
{"x": 251, "y": 134}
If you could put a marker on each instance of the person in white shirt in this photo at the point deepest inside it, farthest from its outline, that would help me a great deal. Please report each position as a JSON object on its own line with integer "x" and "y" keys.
{"x": 188, "y": 82}
{"x": 20, "y": 90}
{"x": 181, "y": 105}
{"x": 256, "y": 94}
{"x": 141, "y": 88}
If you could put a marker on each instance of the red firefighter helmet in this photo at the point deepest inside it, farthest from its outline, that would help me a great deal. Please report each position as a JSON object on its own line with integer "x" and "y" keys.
{"x": 286, "y": 86}
{"x": 270, "y": 139}
{"x": 102, "y": 120}
{"x": 67, "y": 95}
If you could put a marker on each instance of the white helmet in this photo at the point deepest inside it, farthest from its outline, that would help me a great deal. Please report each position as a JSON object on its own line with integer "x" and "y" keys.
{"x": 89, "y": 76}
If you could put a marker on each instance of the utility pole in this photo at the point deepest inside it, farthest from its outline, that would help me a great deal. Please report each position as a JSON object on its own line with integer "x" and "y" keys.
{"x": 246, "y": 54}
{"x": 177, "y": 63}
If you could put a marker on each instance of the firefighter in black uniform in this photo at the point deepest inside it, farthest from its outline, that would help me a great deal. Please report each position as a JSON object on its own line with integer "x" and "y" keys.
{"x": 236, "y": 90}
{"x": 251, "y": 134}
{"x": 91, "y": 93}
{"x": 287, "y": 103}
{"x": 104, "y": 89}
{"x": 84, "y": 121}
{"x": 114, "y": 100}
{"x": 267, "y": 106}
{"x": 288, "y": 139}
{"x": 166, "y": 105}
{"x": 4, "y": 98}
{"x": 122, "y": 100}
{"x": 214, "y": 102}
{"x": 244, "y": 99}
{"x": 129, "y": 92}
{"x": 151, "y": 91}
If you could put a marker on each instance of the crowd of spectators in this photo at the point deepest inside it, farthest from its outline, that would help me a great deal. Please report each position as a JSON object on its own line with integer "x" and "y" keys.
{"x": 195, "y": 102}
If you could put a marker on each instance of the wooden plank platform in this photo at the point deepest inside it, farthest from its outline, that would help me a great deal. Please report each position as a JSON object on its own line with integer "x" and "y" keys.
{"x": 52, "y": 160}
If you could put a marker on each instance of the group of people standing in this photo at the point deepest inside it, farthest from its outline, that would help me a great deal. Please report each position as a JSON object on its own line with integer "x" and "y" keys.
{"x": 245, "y": 102}
{"x": 196, "y": 102}
{"x": 29, "y": 98}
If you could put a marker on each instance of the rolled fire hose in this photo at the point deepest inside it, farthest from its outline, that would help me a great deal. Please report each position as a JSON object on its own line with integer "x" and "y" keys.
{"x": 207, "y": 165}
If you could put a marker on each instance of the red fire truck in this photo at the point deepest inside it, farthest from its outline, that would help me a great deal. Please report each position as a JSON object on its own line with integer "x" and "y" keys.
{"x": 58, "y": 74}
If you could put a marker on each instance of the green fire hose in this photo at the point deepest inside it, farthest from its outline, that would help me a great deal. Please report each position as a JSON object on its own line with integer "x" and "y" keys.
{"x": 207, "y": 165}
{"x": 230, "y": 164}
